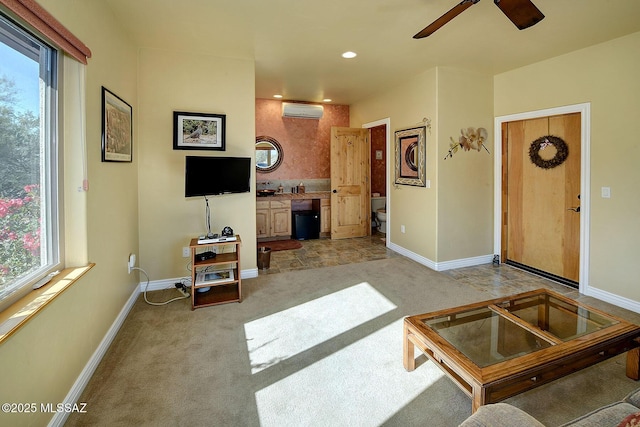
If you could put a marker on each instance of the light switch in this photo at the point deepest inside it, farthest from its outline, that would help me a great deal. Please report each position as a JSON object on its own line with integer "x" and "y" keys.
{"x": 606, "y": 192}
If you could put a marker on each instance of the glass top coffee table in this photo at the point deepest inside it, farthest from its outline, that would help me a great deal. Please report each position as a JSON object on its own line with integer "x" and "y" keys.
{"x": 498, "y": 348}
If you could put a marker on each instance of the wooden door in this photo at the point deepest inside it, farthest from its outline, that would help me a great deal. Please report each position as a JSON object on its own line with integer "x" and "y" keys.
{"x": 541, "y": 229}
{"x": 350, "y": 202}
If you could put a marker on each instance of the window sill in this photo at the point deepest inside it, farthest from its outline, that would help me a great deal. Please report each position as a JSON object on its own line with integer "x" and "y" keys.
{"x": 18, "y": 314}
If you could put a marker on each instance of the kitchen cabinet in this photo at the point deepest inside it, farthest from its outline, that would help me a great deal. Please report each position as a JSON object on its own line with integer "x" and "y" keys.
{"x": 263, "y": 220}
{"x": 273, "y": 218}
{"x": 280, "y": 218}
{"x": 325, "y": 217}
{"x": 274, "y": 213}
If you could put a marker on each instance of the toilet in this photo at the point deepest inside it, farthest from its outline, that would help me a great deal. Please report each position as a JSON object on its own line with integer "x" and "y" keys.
{"x": 381, "y": 214}
{"x": 379, "y": 209}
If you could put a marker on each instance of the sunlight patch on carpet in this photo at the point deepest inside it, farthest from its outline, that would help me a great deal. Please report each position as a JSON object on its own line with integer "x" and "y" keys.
{"x": 363, "y": 384}
{"x": 289, "y": 332}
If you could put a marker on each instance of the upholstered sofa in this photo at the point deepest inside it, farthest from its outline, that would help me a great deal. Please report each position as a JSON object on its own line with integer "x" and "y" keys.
{"x": 625, "y": 413}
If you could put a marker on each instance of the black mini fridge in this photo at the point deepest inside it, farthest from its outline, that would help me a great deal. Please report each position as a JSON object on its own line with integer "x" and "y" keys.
{"x": 305, "y": 225}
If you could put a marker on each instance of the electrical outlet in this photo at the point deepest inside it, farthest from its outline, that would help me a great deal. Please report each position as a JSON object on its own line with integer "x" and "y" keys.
{"x": 131, "y": 263}
{"x": 402, "y": 229}
{"x": 186, "y": 252}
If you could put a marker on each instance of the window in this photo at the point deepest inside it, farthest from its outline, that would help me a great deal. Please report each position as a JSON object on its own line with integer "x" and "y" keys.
{"x": 29, "y": 196}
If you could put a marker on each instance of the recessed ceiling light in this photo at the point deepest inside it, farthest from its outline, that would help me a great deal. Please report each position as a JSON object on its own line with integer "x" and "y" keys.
{"x": 277, "y": 96}
{"x": 349, "y": 55}
{"x": 326, "y": 100}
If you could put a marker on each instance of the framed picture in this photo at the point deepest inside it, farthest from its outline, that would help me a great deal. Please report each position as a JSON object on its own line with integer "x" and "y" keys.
{"x": 213, "y": 277}
{"x": 117, "y": 128}
{"x": 198, "y": 131}
{"x": 411, "y": 156}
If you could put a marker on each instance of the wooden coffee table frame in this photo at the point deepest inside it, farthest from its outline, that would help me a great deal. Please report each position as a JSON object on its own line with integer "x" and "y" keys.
{"x": 504, "y": 379}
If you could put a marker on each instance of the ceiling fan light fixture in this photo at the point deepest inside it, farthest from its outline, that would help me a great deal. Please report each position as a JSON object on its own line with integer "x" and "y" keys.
{"x": 349, "y": 55}
{"x": 438, "y": 23}
{"x": 523, "y": 14}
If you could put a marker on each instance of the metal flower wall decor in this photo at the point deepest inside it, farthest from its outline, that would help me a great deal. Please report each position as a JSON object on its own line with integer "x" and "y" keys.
{"x": 469, "y": 139}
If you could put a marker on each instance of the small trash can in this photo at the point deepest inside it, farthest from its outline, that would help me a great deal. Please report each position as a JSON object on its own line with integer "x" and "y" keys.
{"x": 264, "y": 258}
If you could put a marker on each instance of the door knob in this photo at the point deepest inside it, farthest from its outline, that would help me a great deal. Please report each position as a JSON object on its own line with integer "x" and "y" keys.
{"x": 335, "y": 191}
{"x": 576, "y": 209}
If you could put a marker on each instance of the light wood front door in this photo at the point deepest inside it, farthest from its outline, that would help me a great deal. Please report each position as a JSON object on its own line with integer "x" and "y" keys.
{"x": 350, "y": 202}
{"x": 541, "y": 205}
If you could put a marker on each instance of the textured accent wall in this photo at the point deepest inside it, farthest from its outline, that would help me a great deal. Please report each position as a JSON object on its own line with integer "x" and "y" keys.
{"x": 378, "y": 166}
{"x": 306, "y": 143}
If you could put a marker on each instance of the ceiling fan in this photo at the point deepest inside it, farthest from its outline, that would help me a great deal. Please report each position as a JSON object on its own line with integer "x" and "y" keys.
{"x": 523, "y": 13}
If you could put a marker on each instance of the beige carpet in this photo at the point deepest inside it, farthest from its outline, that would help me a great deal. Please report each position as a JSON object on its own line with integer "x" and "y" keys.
{"x": 318, "y": 347}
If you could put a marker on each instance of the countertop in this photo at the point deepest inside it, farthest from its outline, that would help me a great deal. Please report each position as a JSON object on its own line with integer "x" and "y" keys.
{"x": 296, "y": 196}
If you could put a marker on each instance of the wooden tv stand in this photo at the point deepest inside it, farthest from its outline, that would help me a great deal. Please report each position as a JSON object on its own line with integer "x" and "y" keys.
{"x": 223, "y": 291}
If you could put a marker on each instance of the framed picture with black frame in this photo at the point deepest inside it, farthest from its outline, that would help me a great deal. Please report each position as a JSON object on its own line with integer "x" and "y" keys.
{"x": 117, "y": 128}
{"x": 198, "y": 131}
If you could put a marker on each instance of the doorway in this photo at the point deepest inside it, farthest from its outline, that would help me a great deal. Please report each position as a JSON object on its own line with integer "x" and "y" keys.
{"x": 537, "y": 207}
{"x": 384, "y": 126}
{"x": 378, "y": 174}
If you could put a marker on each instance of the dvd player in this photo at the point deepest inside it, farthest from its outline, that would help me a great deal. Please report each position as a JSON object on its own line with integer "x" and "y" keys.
{"x": 204, "y": 240}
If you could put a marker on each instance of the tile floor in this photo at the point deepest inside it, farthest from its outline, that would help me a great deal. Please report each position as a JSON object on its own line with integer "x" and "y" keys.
{"x": 501, "y": 280}
{"x": 326, "y": 252}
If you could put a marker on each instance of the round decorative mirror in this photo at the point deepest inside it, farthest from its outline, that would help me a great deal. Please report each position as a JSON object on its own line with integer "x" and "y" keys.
{"x": 268, "y": 154}
{"x": 410, "y": 156}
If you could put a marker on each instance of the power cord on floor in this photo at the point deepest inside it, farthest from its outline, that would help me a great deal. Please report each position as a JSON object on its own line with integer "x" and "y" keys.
{"x": 184, "y": 296}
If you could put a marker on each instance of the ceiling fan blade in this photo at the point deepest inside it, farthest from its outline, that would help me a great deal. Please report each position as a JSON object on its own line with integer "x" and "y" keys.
{"x": 522, "y": 13}
{"x": 435, "y": 25}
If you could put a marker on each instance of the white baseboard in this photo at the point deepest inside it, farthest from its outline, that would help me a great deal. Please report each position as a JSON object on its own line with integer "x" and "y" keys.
{"x": 249, "y": 274}
{"x": 78, "y": 387}
{"x": 465, "y": 262}
{"x": 83, "y": 379}
{"x": 412, "y": 255}
{"x": 614, "y": 299}
{"x": 441, "y": 266}
{"x": 157, "y": 285}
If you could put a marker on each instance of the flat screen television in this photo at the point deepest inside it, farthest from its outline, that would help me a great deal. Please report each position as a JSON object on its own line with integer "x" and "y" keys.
{"x": 209, "y": 176}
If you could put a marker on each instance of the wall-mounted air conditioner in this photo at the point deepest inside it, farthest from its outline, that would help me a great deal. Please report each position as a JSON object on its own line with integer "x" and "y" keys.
{"x": 302, "y": 111}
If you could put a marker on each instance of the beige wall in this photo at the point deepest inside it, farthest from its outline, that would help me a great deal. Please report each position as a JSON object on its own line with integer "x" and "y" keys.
{"x": 465, "y": 181}
{"x": 43, "y": 359}
{"x": 168, "y": 220}
{"x": 453, "y": 219}
{"x": 414, "y": 207}
{"x": 605, "y": 75}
